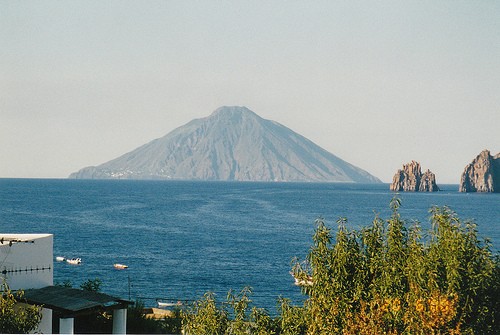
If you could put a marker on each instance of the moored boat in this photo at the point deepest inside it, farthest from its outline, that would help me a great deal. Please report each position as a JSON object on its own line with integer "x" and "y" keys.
{"x": 74, "y": 261}
{"x": 302, "y": 281}
{"x": 168, "y": 304}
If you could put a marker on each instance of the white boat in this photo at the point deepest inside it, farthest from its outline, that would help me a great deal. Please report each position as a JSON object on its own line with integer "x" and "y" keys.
{"x": 120, "y": 266}
{"x": 74, "y": 261}
{"x": 168, "y": 304}
{"x": 304, "y": 282}
{"x": 307, "y": 281}
{"x": 60, "y": 259}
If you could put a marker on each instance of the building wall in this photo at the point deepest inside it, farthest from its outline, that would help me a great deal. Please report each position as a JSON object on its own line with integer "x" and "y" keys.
{"x": 27, "y": 263}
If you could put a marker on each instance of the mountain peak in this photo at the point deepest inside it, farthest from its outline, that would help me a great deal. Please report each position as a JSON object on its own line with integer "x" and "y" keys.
{"x": 233, "y": 143}
{"x": 230, "y": 110}
{"x": 233, "y": 113}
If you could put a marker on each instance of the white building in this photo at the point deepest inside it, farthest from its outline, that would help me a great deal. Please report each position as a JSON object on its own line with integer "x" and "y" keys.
{"x": 26, "y": 262}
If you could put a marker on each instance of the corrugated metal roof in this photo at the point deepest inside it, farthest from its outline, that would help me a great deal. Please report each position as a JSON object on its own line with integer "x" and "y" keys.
{"x": 71, "y": 300}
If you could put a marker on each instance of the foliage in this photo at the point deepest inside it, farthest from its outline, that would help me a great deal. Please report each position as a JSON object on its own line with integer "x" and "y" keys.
{"x": 138, "y": 323}
{"x": 93, "y": 285}
{"x": 16, "y": 318}
{"x": 383, "y": 279}
{"x": 232, "y": 317}
{"x": 388, "y": 279}
{"x": 65, "y": 283}
{"x": 292, "y": 320}
{"x": 172, "y": 324}
{"x": 205, "y": 317}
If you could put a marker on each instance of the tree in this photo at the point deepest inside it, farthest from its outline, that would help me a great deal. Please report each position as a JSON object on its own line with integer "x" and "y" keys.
{"x": 16, "y": 317}
{"x": 205, "y": 318}
{"x": 391, "y": 280}
{"x": 93, "y": 285}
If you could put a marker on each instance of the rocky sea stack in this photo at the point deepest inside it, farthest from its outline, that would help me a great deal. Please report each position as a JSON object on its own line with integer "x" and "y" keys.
{"x": 411, "y": 179}
{"x": 232, "y": 144}
{"x": 482, "y": 175}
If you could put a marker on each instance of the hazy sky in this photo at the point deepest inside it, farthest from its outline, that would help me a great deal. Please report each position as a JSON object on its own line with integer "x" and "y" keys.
{"x": 377, "y": 83}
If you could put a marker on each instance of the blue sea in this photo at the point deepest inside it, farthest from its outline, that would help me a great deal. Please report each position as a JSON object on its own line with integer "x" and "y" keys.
{"x": 182, "y": 239}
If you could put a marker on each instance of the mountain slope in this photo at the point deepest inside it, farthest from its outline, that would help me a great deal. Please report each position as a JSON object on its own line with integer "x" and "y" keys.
{"x": 233, "y": 143}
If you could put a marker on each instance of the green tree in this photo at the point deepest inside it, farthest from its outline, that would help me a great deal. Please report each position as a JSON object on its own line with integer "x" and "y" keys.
{"x": 390, "y": 280}
{"x": 232, "y": 317}
{"x": 292, "y": 320}
{"x": 93, "y": 285}
{"x": 16, "y": 317}
{"x": 205, "y": 318}
{"x": 138, "y": 323}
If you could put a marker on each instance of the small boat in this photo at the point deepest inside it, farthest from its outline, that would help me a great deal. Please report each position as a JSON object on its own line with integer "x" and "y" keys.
{"x": 60, "y": 259}
{"x": 304, "y": 282}
{"x": 74, "y": 261}
{"x": 168, "y": 304}
{"x": 120, "y": 266}
{"x": 307, "y": 281}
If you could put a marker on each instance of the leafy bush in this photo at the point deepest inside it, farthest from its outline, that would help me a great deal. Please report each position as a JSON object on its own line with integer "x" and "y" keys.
{"x": 383, "y": 279}
{"x": 92, "y": 285}
{"x": 137, "y": 323}
{"x": 16, "y": 318}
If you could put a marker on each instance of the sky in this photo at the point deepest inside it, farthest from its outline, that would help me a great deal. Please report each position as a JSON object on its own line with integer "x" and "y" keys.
{"x": 377, "y": 83}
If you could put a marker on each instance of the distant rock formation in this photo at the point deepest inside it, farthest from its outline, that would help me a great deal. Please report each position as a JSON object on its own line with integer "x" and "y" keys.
{"x": 411, "y": 179}
{"x": 232, "y": 144}
{"x": 482, "y": 175}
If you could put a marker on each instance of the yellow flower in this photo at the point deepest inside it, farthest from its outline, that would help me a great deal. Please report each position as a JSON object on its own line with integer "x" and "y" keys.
{"x": 419, "y": 306}
{"x": 395, "y": 305}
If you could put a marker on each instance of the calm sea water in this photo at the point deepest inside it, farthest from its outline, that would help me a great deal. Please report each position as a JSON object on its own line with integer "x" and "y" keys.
{"x": 182, "y": 239}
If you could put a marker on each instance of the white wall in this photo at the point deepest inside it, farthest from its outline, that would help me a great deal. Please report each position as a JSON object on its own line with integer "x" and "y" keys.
{"x": 45, "y": 326}
{"x": 27, "y": 265}
{"x": 19, "y": 263}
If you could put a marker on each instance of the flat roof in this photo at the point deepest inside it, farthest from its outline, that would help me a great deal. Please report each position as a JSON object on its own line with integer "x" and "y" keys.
{"x": 72, "y": 301}
{"x": 24, "y": 236}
